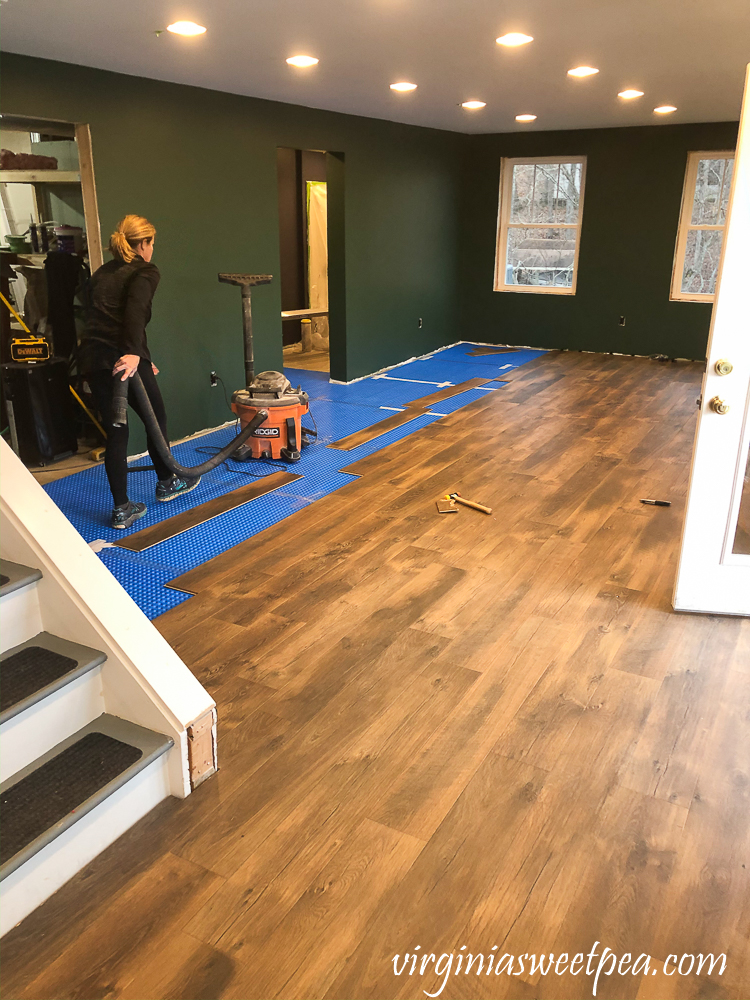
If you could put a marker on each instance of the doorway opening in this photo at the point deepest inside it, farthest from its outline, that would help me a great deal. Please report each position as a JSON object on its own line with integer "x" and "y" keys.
{"x": 303, "y": 244}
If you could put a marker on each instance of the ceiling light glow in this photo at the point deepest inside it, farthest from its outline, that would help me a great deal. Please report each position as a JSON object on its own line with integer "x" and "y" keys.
{"x": 514, "y": 38}
{"x": 665, "y": 109}
{"x": 186, "y": 28}
{"x": 628, "y": 95}
{"x": 582, "y": 71}
{"x": 403, "y": 87}
{"x": 525, "y": 118}
{"x": 303, "y": 61}
{"x": 474, "y": 105}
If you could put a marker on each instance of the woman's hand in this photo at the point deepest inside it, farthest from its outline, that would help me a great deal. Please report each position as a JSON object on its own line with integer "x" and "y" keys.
{"x": 154, "y": 369}
{"x": 128, "y": 364}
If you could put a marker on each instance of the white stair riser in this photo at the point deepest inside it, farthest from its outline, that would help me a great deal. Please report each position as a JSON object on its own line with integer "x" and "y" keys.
{"x": 42, "y": 726}
{"x": 41, "y": 876}
{"x": 20, "y": 617}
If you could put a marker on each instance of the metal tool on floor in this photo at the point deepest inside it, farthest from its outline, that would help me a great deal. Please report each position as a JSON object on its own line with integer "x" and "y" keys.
{"x": 468, "y": 503}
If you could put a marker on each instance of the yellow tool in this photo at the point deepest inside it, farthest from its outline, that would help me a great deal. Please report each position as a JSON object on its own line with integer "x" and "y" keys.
{"x": 89, "y": 414}
{"x": 15, "y": 314}
{"x": 468, "y": 503}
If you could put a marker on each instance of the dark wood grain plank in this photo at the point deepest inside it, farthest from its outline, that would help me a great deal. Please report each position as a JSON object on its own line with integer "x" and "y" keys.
{"x": 352, "y": 441}
{"x": 188, "y": 519}
{"x": 410, "y": 411}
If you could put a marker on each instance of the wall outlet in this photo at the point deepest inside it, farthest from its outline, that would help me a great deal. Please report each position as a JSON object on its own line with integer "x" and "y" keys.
{"x": 420, "y": 323}
{"x": 213, "y": 379}
{"x": 622, "y": 321}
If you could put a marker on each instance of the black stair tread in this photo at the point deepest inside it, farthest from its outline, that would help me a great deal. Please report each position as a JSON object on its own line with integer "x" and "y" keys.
{"x": 48, "y": 794}
{"x": 51, "y": 794}
{"x": 35, "y": 668}
{"x": 13, "y": 576}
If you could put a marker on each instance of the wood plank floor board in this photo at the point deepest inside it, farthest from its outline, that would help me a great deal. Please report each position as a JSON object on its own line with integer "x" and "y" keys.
{"x": 103, "y": 956}
{"x": 465, "y": 853}
{"x": 447, "y": 730}
{"x": 344, "y": 895}
{"x": 412, "y": 409}
{"x": 631, "y": 856}
{"x": 141, "y": 540}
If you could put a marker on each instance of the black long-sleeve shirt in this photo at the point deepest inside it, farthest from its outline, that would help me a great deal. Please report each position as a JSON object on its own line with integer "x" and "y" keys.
{"x": 119, "y": 309}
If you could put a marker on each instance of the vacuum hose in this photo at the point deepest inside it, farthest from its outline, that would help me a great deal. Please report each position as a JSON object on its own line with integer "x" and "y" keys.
{"x": 120, "y": 418}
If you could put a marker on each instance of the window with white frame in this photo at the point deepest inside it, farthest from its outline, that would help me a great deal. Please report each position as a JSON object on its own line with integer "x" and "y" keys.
{"x": 705, "y": 200}
{"x": 539, "y": 224}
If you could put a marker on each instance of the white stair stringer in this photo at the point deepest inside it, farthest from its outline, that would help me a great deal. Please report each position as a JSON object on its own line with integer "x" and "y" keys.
{"x": 36, "y": 880}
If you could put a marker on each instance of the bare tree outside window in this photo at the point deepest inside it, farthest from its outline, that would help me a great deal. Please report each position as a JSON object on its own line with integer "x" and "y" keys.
{"x": 702, "y": 221}
{"x": 539, "y": 225}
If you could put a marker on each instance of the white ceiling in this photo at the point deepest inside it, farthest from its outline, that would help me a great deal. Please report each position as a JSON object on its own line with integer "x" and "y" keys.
{"x": 690, "y": 53}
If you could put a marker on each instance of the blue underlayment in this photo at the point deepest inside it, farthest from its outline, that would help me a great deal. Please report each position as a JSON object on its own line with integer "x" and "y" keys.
{"x": 338, "y": 411}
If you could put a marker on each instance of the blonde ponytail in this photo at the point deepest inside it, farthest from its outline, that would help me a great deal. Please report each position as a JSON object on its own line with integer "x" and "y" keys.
{"x": 131, "y": 231}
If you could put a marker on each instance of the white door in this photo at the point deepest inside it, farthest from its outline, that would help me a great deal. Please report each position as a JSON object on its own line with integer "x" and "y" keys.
{"x": 714, "y": 570}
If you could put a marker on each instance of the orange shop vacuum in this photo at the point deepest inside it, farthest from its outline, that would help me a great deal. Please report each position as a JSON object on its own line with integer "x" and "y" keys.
{"x": 280, "y": 435}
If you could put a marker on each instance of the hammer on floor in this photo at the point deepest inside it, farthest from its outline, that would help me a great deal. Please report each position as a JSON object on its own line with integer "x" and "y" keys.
{"x": 468, "y": 503}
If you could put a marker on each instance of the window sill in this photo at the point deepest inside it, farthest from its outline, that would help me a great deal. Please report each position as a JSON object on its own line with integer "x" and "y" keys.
{"x": 692, "y": 298}
{"x": 534, "y": 290}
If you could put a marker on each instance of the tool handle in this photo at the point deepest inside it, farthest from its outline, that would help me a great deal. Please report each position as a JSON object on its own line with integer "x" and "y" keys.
{"x": 470, "y": 503}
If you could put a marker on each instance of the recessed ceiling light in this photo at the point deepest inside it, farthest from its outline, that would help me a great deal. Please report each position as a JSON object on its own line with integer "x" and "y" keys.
{"x": 474, "y": 105}
{"x": 402, "y": 88}
{"x": 582, "y": 71}
{"x": 514, "y": 38}
{"x": 525, "y": 118}
{"x": 303, "y": 61}
{"x": 665, "y": 109}
{"x": 186, "y": 28}
{"x": 628, "y": 95}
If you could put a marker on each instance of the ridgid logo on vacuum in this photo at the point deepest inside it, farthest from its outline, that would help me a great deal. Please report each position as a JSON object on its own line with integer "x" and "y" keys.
{"x": 266, "y": 432}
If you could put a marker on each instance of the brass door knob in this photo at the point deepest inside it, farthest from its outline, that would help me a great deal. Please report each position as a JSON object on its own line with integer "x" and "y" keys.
{"x": 718, "y": 405}
{"x": 723, "y": 367}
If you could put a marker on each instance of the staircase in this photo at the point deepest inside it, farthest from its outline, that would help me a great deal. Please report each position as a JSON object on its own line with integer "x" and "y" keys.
{"x": 72, "y": 777}
{"x": 100, "y": 720}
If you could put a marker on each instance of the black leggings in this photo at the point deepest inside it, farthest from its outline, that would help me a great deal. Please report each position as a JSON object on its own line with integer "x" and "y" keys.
{"x": 116, "y": 455}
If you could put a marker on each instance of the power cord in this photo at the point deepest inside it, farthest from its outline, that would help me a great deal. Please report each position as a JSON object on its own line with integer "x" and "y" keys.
{"x": 217, "y": 378}
{"x": 276, "y": 466}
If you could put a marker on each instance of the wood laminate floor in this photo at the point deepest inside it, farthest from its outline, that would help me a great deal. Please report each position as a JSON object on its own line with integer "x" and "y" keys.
{"x": 312, "y": 361}
{"x": 443, "y": 731}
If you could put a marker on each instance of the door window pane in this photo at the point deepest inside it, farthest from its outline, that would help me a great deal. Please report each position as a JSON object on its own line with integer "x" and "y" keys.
{"x": 702, "y": 255}
{"x": 705, "y": 203}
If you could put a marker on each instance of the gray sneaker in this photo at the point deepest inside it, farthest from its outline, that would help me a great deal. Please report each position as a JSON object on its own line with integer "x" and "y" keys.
{"x": 168, "y": 489}
{"x": 127, "y": 514}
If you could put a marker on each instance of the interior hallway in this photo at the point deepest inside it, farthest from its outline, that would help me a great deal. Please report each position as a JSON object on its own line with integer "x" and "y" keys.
{"x": 446, "y": 730}
{"x": 312, "y": 361}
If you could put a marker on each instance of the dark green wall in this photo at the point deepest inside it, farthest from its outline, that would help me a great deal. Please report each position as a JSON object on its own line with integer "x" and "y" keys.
{"x": 202, "y": 166}
{"x": 412, "y": 219}
{"x": 634, "y": 180}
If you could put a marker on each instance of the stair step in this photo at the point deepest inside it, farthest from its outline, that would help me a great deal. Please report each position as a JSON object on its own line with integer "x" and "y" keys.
{"x": 13, "y": 576}
{"x": 34, "y": 669}
{"x": 46, "y": 798}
